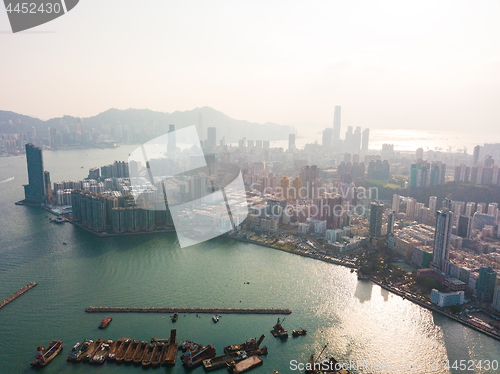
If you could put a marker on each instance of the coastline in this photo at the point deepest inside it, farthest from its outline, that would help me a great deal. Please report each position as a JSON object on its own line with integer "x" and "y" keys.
{"x": 393, "y": 290}
{"x": 316, "y": 256}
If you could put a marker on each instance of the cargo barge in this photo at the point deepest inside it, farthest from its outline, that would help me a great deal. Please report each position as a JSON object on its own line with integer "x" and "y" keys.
{"x": 43, "y": 357}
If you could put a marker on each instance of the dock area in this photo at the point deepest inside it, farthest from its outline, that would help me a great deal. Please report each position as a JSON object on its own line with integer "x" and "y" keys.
{"x": 117, "y": 309}
{"x": 18, "y": 293}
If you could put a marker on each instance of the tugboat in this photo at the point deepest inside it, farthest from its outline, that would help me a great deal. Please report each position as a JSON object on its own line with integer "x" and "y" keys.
{"x": 174, "y": 317}
{"x": 299, "y": 332}
{"x": 43, "y": 357}
{"x": 278, "y": 331}
{"x": 105, "y": 322}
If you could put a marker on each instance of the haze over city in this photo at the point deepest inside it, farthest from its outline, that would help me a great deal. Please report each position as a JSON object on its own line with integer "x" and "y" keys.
{"x": 282, "y": 187}
{"x": 391, "y": 65}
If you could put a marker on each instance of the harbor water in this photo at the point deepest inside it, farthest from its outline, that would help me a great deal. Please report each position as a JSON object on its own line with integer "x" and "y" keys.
{"x": 360, "y": 321}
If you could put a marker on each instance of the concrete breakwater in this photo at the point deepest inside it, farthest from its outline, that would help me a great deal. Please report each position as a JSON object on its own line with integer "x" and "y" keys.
{"x": 116, "y": 309}
{"x": 18, "y": 293}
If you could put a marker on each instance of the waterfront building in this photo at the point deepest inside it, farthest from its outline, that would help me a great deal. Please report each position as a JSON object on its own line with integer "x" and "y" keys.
{"x": 486, "y": 283}
{"x": 443, "y": 299}
{"x": 442, "y": 237}
{"x": 496, "y": 299}
{"x": 34, "y": 191}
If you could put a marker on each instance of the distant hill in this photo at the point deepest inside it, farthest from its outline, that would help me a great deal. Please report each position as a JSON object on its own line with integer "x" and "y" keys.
{"x": 153, "y": 122}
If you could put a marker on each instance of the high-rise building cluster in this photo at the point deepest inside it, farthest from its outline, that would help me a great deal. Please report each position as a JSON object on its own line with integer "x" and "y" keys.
{"x": 354, "y": 141}
{"x": 425, "y": 174}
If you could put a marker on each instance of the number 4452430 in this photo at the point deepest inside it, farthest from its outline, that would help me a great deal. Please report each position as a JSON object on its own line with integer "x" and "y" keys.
{"x": 34, "y": 8}
{"x": 471, "y": 365}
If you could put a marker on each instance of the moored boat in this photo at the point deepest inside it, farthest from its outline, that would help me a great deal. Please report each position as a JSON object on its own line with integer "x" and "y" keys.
{"x": 156, "y": 356}
{"x": 129, "y": 353}
{"x": 43, "y": 357}
{"x": 92, "y": 350}
{"x": 146, "y": 355}
{"x": 114, "y": 348}
{"x": 139, "y": 352}
{"x": 299, "y": 332}
{"x": 171, "y": 351}
{"x": 249, "y": 345}
{"x": 220, "y": 361}
{"x": 105, "y": 322}
{"x": 174, "y": 317}
{"x": 79, "y": 350}
{"x": 215, "y": 318}
{"x": 244, "y": 365}
{"x": 194, "y": 359}
{"x": 102, "y": 353}
{"x": 258, "y": 352}
{"x": 121, "y": 351}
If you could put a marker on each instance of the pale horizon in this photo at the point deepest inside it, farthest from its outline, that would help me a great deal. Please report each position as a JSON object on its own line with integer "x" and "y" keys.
{"x": 425, "y": 66}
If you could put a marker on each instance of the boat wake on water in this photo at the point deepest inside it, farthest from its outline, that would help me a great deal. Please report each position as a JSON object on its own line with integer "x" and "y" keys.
{"x": 7, "y": 180}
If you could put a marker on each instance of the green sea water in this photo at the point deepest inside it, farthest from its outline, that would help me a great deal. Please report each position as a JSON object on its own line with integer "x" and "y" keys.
{"x": 359, "y": 320}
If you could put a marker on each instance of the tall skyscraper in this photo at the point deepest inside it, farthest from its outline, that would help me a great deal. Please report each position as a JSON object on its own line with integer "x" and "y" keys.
{"x": 366, "y": 140}
{"x": 34, "y": 192}
{"x": 486, "y": 283}
{"x": 291, "y": 142}
{"x": 390, "y": 223}
{"x": 376, "y": 211}
{"x": 211, "y": 139}
{"x": 336, "y": 125}
{"x": 442, "y": 236}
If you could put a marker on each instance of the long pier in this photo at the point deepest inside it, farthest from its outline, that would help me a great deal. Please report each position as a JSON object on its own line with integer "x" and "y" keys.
{"x": 18, "y": 293}
{"x": 117, "y": 309}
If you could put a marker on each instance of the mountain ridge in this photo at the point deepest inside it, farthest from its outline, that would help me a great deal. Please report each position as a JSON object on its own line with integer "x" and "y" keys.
{"x": 147, "y": 119}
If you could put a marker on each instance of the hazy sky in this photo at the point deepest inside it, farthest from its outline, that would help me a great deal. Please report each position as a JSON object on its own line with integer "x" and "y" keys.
{"x": 390, "y": 64}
